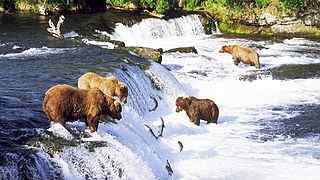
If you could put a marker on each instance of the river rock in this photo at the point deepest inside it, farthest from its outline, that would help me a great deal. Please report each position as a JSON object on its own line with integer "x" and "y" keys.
{"x": 148, "y": 53}
{"x": 312, "y": 19}
{"x": 117, "y": 44}
{"x": 183, "y": 50}
{"x": 288, "y": 27}
{"x": 267, "y": 19}
{"x": 52, "y": 144}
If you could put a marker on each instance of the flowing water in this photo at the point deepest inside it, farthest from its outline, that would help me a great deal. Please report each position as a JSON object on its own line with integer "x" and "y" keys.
{"x": 268, "y": 126}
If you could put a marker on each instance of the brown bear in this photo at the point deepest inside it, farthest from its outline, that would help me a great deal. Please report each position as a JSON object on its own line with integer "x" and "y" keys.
{"x": 197, "y": 109}
{"x": 65, "y": 103}
{"x": 109, "y": 86}
{"x": 245, "y": 55}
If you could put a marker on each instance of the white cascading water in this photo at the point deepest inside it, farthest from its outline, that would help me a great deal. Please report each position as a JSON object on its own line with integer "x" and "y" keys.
{"x": 154, "y": 32}
{"x": 158, "y": 28}
{"x": 132, "y": 148}
{"x": 226, "y": 151}
{"x": 222, "y": 151}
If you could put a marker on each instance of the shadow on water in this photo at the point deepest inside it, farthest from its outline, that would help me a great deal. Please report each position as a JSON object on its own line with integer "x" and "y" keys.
{"x": 296, "y": 71}
{"x": 284, "y": 72}
{"x": 303, "y": 125}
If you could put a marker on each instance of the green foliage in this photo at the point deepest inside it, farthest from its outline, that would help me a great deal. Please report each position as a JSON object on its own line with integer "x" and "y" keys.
{"x": 162, "y": 6}
{"x": 148, "y": 3}
{"x": 192, "y": 4}
{"x": 117, "y": 2}
{"x": 218, "y": 8}
{"x": 262, "y": 3}
{"x": 292, "y": 4}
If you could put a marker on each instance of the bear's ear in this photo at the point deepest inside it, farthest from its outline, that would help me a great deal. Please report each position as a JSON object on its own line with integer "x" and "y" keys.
{"x": 187, "y": 100}
{"x": 112, "y": 77}
{"x": 122, "y": 85}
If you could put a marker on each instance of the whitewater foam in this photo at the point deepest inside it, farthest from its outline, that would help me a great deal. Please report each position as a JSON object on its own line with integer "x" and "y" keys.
{"x": 35, "y": 52}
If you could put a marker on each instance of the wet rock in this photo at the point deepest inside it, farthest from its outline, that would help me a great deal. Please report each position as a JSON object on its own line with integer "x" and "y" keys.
{"x": 117, "y": 44}
{"x": 148, "y": 53}
{"x": 183, "y": 50}
{"x": 296, "y": 71}
{"x": 255, "y": 75}
{"x": 52, "y": 144}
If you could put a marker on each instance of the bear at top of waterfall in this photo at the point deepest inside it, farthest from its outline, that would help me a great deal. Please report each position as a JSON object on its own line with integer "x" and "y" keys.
{"x": 239, "y": 54}
{"x": 197, "y": 109}
{"x": 64, "y": 103}
{"x": 108, "y": 85}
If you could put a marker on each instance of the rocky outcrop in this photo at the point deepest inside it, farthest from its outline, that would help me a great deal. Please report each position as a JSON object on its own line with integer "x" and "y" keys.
{"x": 311, "y": 18}
{"x": 183, "y": 50}
{"x": 287, "y": 25}
{"x": 267, "y": 19}
{"x": 148, "y": 53}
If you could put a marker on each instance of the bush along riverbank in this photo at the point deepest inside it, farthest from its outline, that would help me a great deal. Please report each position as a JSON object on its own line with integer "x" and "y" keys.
{"x": 241, "y": 17}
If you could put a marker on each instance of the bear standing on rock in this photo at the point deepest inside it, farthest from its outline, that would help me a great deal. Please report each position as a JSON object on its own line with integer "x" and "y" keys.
{"x": 109, "y": 86}
{"x": 65, "y": 103}
{"x": 239, "y": 54}
{"x": 197, "y": 109}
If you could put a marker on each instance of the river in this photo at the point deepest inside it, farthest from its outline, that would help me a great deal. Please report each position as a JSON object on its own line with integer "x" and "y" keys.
{"x": 268, "y": 126}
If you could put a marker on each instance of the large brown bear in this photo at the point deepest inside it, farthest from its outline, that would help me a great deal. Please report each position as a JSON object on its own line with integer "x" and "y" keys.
{"x": 110, "y": 86}
{"x": 239, "y": 54}
{"x": 65, "y": 103}
{"x": 197, "y": 109}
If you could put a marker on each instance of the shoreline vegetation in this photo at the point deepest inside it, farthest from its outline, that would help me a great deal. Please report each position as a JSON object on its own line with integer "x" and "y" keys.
{"x": 266, "y": 18}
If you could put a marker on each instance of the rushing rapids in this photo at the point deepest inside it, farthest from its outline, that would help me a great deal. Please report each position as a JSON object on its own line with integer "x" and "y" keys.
{"x": 267, "y": 129}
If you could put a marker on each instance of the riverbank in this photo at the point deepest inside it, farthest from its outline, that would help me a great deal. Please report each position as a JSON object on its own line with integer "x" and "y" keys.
{"x": 262, "y": 18}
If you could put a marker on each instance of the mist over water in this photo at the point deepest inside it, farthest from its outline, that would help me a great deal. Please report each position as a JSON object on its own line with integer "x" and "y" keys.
{"x": 268, "y": 126}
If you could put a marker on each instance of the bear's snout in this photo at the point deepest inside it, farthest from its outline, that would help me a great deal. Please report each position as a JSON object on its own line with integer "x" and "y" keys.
{"x": 221, "y": 50}
{"x": 178, "y": 109}
{"x": 123, "y": 99}
{"x": 119, "y": 116}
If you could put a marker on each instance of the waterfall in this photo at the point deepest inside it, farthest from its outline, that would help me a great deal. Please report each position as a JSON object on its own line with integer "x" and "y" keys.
{"x": 140, "y": 88}
{"x": 29, "y": 164}
{"x": 217, "y": 28}
{"x": 130, "y": 152}
{"x": 153, "y": 28}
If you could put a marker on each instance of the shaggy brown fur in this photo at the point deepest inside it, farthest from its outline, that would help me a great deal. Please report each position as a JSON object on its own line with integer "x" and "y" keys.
{"x": 242, "y": 54}
{"x": 65, "y": 103}
{"x": 197, "y": 109}
{"x": 110, "y": 86}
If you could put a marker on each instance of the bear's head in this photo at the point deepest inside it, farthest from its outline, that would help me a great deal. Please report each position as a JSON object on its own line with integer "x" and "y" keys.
{"x": 122, "y": 92}
{"x": 226, "y": 49}
{"x": 114, "y": 108}
{"x": 182, "y": 103}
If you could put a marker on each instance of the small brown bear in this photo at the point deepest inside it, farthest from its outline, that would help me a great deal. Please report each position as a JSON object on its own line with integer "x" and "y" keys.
{"x": 65, "y": 103}
{"x": 197, "y": 109}
{"x": 109, "y": 86}
{"x": 245, "y": 55}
